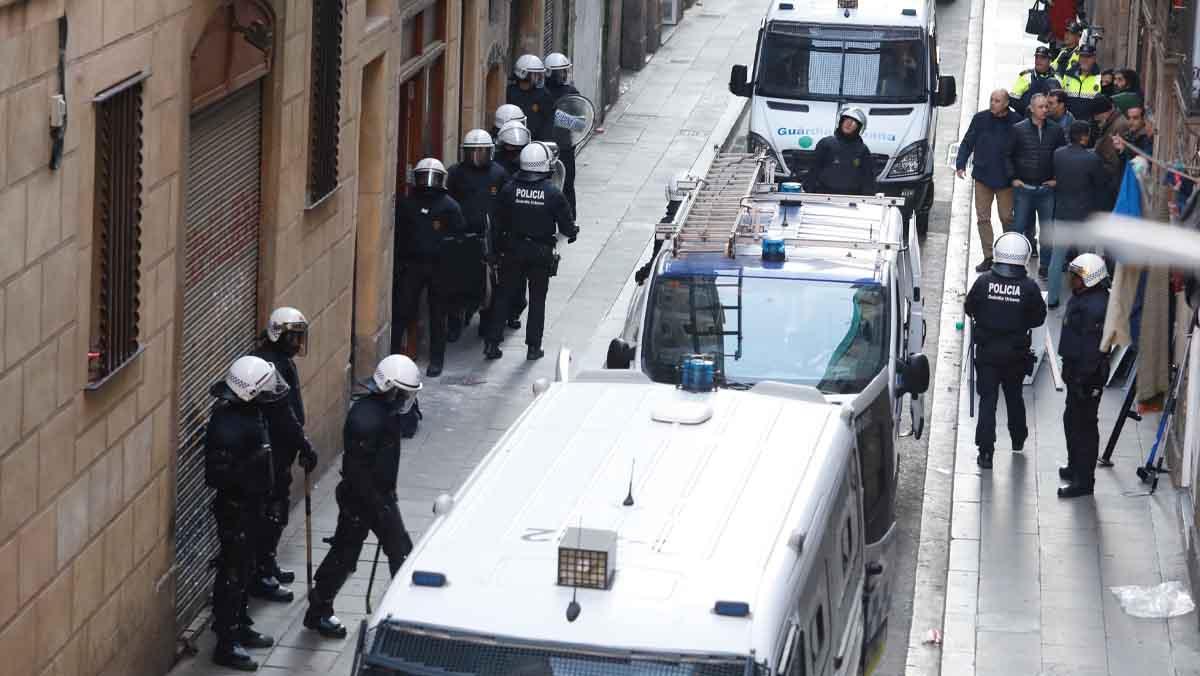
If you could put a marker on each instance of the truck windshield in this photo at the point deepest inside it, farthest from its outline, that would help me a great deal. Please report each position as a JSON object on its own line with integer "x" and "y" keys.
{"x": 831, "y": 335}
{"x": 860, "y": 64}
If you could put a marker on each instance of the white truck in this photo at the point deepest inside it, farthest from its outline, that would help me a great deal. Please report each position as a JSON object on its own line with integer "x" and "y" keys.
{"x": 815, "y": 57}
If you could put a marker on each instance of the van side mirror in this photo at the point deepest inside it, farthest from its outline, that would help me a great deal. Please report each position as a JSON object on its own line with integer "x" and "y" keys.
{"x": 739, "y": 84}
{"x": 914, "y": 375}
{"x": 947, "y": 91}
{"x": 620, "y": 355}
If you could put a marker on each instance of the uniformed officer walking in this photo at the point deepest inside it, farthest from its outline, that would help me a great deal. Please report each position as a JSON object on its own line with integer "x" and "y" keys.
{"x": 1084, "y": 371}
{"x": 527, "y": 91}
{"x": 529, "y": 212}
{"x": 366, "y": 495}
{"x": 1037, "y": 80}
{"x": 842, "y": 163}
{"x": 285, "y": 337}
{"x": 513, "y": 139}
{"x": 1004, "y": 306}
{"x": 424, "y": 221}
{"x": 238, "y": 463}
{"x": 558, "y": 83}
{"x": 474, "y": 183}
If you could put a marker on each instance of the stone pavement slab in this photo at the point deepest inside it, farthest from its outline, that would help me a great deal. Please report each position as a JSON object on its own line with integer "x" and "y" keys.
{"x": 658, "y": 128}
{"x": 1029, "y": 575}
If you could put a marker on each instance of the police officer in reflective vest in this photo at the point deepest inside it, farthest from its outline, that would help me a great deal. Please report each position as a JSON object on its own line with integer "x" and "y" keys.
{"x": 1004, "y": 306}
{"x": 529, "y": 212}
{"x": 1037, "y": 80}
{"x": 1084, "y": 371}
{"x": 474, "y": 183}
{"x": 558, "y": 83}
{"x": 366, "y": 496}
{"x": 1068, "y": 54}
{"x": 424, "y": 222}
{"x": 1082, "y": 83}
{"x": 285, "y": 337}
{"x": 527, "y": 91}
{"x": 238, "y": 463}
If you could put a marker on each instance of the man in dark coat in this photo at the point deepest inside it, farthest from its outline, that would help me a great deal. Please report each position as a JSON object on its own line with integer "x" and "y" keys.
{"x": 842, "y": 163}
{"x": 1081, "y": 182}
{"x": 987, "y": 139}
{"x": 1084, "y": 371}
{"x": 1029, "y": 159}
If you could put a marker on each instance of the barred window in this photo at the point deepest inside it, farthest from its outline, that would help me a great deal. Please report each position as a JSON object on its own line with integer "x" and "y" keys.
{"x": 117, "y": 230}
{"x": 326, "y": 99}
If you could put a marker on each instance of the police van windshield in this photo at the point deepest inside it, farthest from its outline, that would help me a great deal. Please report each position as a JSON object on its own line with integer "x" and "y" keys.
{"x": 801, "y": 61}
{"x": 831, "y": 335}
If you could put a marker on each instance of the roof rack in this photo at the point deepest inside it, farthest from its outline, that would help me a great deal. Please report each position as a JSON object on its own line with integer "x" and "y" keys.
{"x": 738, "y": 203}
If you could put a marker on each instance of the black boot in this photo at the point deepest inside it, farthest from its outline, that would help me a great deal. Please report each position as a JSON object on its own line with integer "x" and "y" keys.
{"x": 324, "y": 622}
{"x": 1074, "y": 490}
{"x": 1065, "y": 473}
{"x": 269, "y": 589}
{"x": 435, "y": 369}
{"x": 1019, "y": 444}
{"x": 984, "y": 459}
{"x": 491, "y": 350}
{"x": 248, "y": 638}
{"x": 534, "y": 353}
{"x": 514, "y": 324}
{"x": 454, "y": 330}
{"x": 984, "y": 266}
{"x": 281, "y": 575}
{"x": 233, "y": 655}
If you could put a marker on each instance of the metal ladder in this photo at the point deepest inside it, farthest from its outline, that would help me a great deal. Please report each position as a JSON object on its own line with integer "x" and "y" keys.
{"x": 709, "y": 219}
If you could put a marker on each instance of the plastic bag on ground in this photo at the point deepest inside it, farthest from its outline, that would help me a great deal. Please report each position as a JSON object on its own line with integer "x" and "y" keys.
{"x": 1169, "y": 599}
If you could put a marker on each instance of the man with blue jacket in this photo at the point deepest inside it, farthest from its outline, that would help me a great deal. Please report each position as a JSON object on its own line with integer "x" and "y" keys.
{"x": 986, "y": 138}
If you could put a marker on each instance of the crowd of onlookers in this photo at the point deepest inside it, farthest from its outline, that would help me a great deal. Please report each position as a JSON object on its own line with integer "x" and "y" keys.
{"x": 1053, "y": 148}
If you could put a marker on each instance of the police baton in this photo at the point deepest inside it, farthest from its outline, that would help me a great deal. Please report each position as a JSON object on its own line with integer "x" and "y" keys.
{"x": 371, "y": 581}
{"x": 308, "y": 528}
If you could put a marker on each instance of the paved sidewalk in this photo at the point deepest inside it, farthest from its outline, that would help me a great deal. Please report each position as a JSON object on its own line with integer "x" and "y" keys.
{"x": 1027, "y": 590}
{"x": 659, "y": 127}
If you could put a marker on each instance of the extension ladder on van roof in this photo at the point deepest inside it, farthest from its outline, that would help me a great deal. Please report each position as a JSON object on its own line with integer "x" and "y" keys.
{"x": 738, "y": 203}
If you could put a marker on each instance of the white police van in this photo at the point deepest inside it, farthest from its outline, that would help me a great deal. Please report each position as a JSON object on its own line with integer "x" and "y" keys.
{"x": 816, "y": 56}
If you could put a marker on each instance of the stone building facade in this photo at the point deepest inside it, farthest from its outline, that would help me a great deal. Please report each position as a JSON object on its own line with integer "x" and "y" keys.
{"x": 209, "y": 160}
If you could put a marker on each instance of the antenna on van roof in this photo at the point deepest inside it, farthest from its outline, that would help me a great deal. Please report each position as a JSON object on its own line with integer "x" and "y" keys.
{"x": 629, "y": 496}
{"x": 573, "y": 607}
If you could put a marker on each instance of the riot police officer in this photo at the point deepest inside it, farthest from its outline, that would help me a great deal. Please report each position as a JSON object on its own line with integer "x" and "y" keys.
{"x": 1084, "y": 371}
{"x": 424, "y": 221}
{"x": 504, "y": 114}
{"x": 529, "y": 211}
{"x": 238, "y": 463}
{"x": 558, "y": 83}
{"x": 842, "y": 163}
{"x": 366, "y": 495}
{"x": 512, "y": 139}
{"x": 474, "y": 183}
{"x": 527, "y": 91}
{"x": 1004, "y": 305}
{"x": 285, "y": 337}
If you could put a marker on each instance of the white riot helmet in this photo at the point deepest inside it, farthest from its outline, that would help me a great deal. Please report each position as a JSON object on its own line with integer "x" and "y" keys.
{"x": 507, "y": 113}
{"x": 1090, "y": 268}
{"x": 537, "y": 158}
{"x": 478, "y": 147}
{"x": 529, "y": 67}
{"x": 290, "y": 325}
{"x": 514, "y": 134}
{"x": 854, "y": 113}
{"x": 430, "y": 173}
{"x": 253, "y": 379}
{"x": 560, "y": 68}
{"x": 1010, "y": 255}
{"x": 397, "y": 377}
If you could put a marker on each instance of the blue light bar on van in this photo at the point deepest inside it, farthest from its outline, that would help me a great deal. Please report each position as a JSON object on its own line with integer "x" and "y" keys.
{"x": 425, "y": 578}
{"x": 732, "y": 608}
{"x": 772, "y": 247}
{"x": 789, "y": 186}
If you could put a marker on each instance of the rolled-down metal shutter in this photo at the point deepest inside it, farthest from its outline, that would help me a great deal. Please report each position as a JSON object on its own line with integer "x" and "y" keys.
{"x": 548, "y": 27}
{"x": 219, "y": 311}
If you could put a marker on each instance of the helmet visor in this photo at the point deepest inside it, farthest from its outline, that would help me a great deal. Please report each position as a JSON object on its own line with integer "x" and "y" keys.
{"x": 479, "y": 157}
{"x": 560, "y": 76}
{"x": 295, "y": 338}
{"x": 425, "y": 178}
{"x": 537, "y": 78}
{"x": 271, "y": 388}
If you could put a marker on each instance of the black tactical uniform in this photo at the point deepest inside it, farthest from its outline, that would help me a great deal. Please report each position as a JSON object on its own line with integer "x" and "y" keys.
{"x": 475, "y": 189}
{"x": 424, "y": 221}
{"x": 285, "y": 422}
{"x": 566, "y": 151}
{"x": 842, "y": 165}
{"x": 238, "y": 463}
{"x": 1084, "y": 371}
{"x": 529, "y": 212}
{"x": 1003, "y": 310}
{"x": 538, "y": 106}
{"x": 366, "y": 499}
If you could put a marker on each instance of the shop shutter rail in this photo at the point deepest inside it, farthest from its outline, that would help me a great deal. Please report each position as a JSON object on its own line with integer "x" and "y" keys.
{"x": 219, "y": 311}
{"x": 548, "y": 28}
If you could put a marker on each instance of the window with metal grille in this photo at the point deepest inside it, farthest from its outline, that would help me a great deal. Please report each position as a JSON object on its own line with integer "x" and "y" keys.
{"x": 326, "y": 99}
{"x": 117, "y": 230}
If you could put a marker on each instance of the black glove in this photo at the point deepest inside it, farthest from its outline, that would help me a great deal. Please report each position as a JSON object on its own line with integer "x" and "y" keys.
{"x": 641, "y": 274}
{"x": 308, "y": 459}
{"x": 571, "y": 239}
